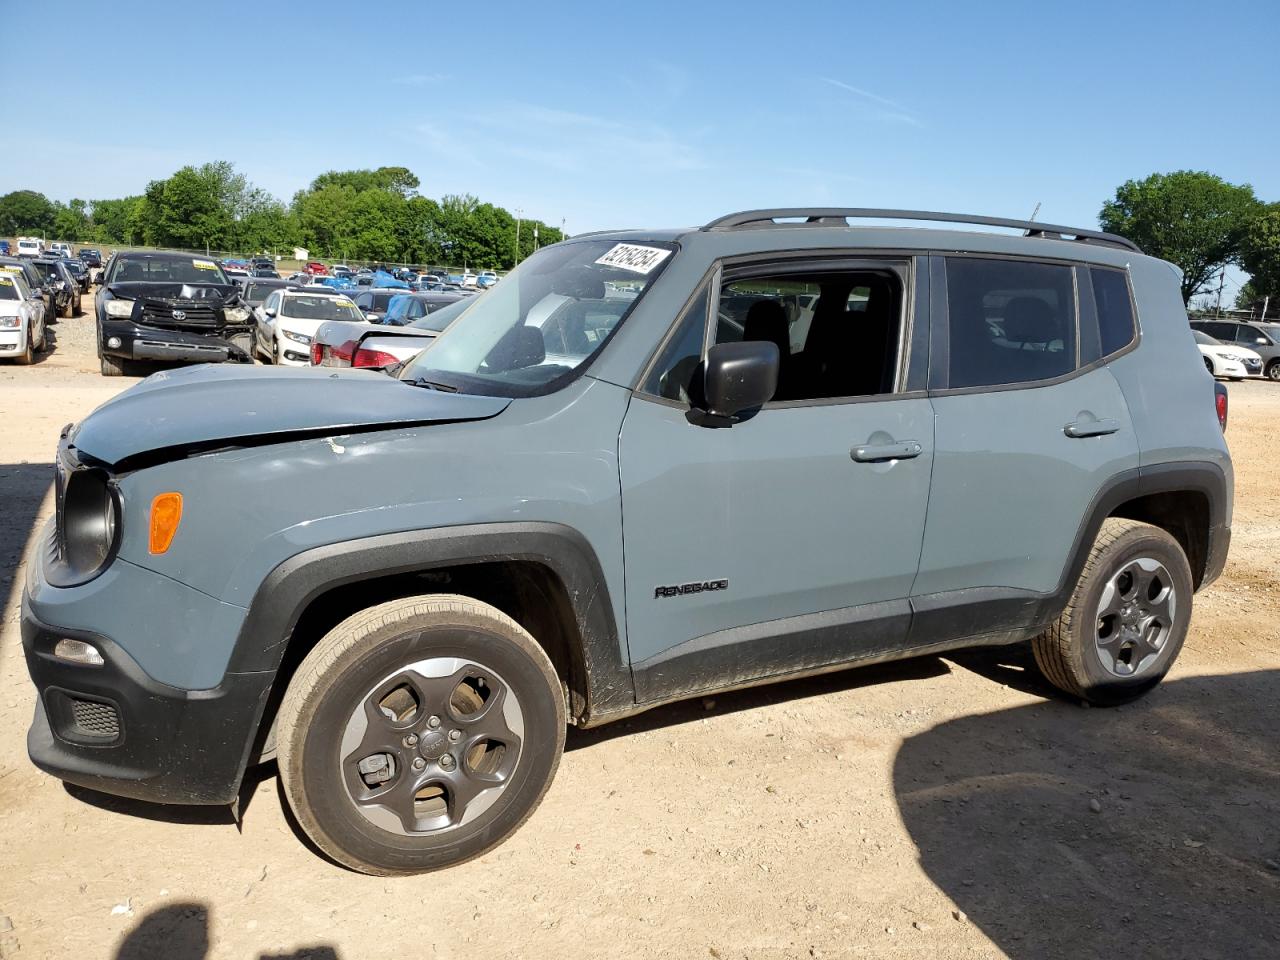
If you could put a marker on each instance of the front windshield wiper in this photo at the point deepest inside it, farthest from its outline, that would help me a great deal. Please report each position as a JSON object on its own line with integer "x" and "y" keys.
{"x": 432, "y": 385}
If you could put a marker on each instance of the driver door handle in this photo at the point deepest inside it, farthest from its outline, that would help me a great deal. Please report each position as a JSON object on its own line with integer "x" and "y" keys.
{"x": 879, "y": 452}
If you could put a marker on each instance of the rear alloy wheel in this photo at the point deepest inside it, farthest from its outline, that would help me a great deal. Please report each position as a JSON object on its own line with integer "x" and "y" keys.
{"x": 1273, "y": 370}
{"x": 419, "y": 733}
{"x": 1126, "y": 620}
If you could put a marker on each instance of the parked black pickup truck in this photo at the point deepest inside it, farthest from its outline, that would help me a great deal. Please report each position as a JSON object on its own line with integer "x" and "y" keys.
{"x": 170, "y": 307}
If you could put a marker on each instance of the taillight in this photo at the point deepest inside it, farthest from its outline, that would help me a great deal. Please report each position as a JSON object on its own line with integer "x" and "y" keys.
{"x": 317, "y": 354}
{"x": 1220, "y": 403}
{"x": 373, "y": 358}
{"x": 343, "y": 352}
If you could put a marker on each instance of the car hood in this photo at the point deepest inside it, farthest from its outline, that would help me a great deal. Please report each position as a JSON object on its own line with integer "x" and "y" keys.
{"x": 133, "y": 289}
{"x": 179, "y": 413}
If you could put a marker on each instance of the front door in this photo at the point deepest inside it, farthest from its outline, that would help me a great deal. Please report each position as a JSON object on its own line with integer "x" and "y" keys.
{"x": 789, "y": 540}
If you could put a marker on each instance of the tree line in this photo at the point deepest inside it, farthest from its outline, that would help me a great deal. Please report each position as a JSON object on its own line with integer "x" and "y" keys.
{"x": 1196, "y": 220}
{"x": 362, "y": 215}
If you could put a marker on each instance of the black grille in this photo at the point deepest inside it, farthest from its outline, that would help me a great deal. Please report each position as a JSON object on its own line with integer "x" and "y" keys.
{"x": 163, "y": 313}
{"x": 94, "y": 719}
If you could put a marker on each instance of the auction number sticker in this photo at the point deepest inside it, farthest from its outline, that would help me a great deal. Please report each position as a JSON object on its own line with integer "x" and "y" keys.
{"x": 6, "y": 282}
{"x": 204, "y": 264}
{"x": 633, "y": 257}
{"x": 344, "y": 303}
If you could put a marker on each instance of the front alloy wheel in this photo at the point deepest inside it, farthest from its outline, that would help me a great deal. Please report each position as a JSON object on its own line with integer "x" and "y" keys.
{"x": 419, "y": 733}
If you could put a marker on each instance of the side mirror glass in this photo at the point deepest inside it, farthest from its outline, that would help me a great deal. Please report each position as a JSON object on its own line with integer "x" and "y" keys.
{"x": 740, "y": 377}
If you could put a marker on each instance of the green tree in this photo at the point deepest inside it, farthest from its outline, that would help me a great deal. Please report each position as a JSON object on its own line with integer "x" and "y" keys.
{"x": 71, "y": 221}
{"x": 110, "y": 219}
{"x": 26, "y": 212}
{"x": 1260, "y": 253}
{"x": 1193, "y": 219}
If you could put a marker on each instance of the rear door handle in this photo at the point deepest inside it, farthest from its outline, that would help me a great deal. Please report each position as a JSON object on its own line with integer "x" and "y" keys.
{"x": 1091, "y": 428}
{"x": 878, "y": 452}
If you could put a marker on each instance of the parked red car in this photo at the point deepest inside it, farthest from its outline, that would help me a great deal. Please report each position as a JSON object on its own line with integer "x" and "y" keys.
{"x": 315, "y": 268}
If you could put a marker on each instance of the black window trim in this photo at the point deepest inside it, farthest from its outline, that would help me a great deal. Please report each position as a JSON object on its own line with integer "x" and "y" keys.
{"x": 907, "y": 264}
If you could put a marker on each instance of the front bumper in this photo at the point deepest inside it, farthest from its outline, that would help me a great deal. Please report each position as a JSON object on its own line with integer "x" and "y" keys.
{"x": 13, "y": 341}
{"x": 139, "y": 342}
{"x": 115, "y": 729}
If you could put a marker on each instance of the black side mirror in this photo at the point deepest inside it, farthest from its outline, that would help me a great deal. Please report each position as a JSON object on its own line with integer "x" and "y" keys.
{"x": 740, "y": 378}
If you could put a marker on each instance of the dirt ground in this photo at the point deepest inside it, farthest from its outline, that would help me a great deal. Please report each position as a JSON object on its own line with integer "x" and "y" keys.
{"x": 942, "y": 807}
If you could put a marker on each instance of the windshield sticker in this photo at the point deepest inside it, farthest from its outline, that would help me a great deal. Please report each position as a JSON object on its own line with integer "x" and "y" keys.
{"x": 637, "y": 259}
{"x": 204, "y": 264}
{"x": 6, "y": 282}
{"x": 344, "y": 303}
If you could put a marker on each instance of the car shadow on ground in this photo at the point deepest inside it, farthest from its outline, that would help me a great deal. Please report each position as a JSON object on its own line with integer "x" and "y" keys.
{"x": 1151, "y": 830}
{"x": 180, "y": 931}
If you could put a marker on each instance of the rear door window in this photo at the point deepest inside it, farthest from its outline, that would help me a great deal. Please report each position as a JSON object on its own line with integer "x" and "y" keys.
{"x": 1009, "y": 321}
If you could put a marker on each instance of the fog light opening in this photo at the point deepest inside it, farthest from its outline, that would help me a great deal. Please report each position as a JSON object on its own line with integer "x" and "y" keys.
{"x": 114, "y": 343}
{"x": 77, "y": 651}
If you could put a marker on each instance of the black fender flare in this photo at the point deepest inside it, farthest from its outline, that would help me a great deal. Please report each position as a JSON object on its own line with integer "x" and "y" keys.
{"x": 286, "y": 592}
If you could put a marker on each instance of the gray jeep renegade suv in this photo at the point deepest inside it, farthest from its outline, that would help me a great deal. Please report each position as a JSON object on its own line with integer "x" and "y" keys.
{"x": 644, "y": 466}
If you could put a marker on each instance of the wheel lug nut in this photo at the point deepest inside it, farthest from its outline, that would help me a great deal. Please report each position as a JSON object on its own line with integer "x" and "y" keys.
{"x": 419, "y": 763}
{"x": 411, "y": 740}
{"x": 455, "y": 735}
{"x": 433, "y": 722}
{"x": 446, "y": 761}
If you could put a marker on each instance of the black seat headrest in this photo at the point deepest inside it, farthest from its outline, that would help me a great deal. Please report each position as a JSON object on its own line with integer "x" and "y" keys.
{"x": 1030, "y": 320}
{"x": 767, "y": 320}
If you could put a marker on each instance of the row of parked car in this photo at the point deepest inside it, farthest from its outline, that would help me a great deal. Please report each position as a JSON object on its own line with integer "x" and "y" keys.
{"x": 1236, "y": 349}
{"x": 36, "y": 287}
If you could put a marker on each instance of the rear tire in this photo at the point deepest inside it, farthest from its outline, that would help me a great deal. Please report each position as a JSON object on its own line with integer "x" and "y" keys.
{"x": 27, "y": 357}
{"x": 69, "y": 310}
{"x": 386, "y": 682}
{"x": 1126, "y": 620}
{"x": 1273, "y": 370}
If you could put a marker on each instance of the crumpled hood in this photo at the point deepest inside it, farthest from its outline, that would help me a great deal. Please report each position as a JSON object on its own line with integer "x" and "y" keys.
{"x": 135, "y": 289}
{"x": 174, "y": 413}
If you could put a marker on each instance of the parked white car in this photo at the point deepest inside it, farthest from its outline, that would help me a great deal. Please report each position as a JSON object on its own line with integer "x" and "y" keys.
{"x": 61, "y": 249}
{"x": 30, "y": 247}
{"x": 1227, "y": 359}
{"x": 22, "y": 330}
{"x": 288, "y": 319}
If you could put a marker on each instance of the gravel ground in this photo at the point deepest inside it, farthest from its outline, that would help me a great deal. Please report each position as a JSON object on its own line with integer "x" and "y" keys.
{"x": 948, "y": 807}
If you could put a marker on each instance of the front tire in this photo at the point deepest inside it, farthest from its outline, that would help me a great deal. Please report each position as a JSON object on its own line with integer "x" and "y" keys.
{"x": 28, "y": 356}
{"x": 111, "y": 367}
{"x": 1273, "y": 370}
{"x": 419, "y": 733}
{"x": 1126, "y": 620}
{"x": 1208, "y": 365}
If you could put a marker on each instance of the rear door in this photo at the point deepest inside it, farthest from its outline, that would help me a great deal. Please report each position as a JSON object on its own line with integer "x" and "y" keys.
{"x": 1030, "y": 424}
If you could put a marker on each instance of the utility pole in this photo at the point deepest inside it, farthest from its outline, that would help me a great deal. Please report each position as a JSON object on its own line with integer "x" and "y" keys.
{"x": 515, "y": 261}
{"x": 1222, "y": 276}
{"x": 535, "y": 237}
{"x": 1266, "y": 301}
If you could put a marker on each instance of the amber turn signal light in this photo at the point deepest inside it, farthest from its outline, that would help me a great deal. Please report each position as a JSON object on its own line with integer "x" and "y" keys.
{"x": 166, "y": 514}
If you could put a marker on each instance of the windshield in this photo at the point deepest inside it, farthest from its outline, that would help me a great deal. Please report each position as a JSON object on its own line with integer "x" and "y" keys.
{"x": 166, "y": 270}
{"x": 255, "y": 293}
{"x": 534, "y": 331}
{"x": 8, "y": 289}
{"x": 1205, "y": 339}
{"x": 320, "y": 308}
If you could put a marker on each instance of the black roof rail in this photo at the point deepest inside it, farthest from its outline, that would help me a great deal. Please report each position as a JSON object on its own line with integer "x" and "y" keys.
{"x": 832, "y": 215}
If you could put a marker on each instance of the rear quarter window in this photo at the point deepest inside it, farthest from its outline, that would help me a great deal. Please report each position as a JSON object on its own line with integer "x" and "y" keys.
{"x": 1116, "y": 326}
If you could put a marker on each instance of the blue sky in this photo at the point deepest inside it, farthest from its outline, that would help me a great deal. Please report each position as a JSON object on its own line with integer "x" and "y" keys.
{"x": 654, "y": 113}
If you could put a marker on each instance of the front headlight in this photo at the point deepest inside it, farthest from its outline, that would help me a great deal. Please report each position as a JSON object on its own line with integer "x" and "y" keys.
{"x": 296, "y": 337}
{"x": 236, "y": 314}
{"x": 10, "y": 323}
{"x": 89, "y": 525}
{"x": 119, "y": 308}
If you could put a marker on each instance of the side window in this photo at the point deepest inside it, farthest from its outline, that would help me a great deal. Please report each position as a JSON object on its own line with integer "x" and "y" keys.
{"x": 273, "y": 302}
{"x": 1115, "y": 309}
{"x": 672, "y": 376}
{"x": 838, "y": 333}
{"x": 1009, "y": 321}
{"x": 1250, "y": 336}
